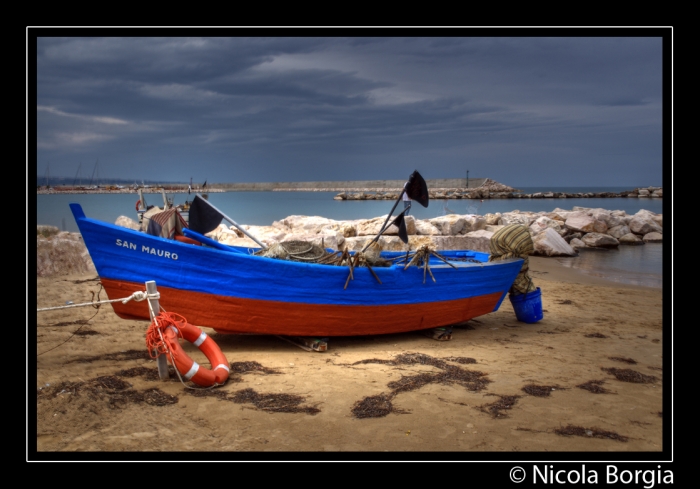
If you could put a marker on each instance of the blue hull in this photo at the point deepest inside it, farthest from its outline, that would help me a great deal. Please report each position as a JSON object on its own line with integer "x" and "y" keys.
{"x": 238, "y": 292}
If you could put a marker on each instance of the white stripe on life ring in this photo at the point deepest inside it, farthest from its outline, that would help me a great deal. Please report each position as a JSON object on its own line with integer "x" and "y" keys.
{"x": 200, "y": 340}
{"x": 192, "y": 371}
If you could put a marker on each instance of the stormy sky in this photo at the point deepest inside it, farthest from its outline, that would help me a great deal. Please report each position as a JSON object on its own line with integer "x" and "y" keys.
{"x": 525, "y": 107}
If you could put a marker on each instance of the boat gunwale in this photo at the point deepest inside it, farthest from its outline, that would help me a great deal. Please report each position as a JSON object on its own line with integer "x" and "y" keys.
{"x": 434, "y": 263}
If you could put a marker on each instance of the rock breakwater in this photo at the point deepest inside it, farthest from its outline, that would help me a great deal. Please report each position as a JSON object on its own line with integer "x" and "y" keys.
{"x": 557, "y": 233}
{"x": 495, "y": 190}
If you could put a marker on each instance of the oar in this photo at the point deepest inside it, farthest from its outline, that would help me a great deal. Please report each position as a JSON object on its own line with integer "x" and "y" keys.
{"x": 417, "y": 190}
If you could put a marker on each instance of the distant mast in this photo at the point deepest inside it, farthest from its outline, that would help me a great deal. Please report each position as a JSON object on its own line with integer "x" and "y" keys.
{"x": 93, "y": 173}
{"x": 75, "y": 180}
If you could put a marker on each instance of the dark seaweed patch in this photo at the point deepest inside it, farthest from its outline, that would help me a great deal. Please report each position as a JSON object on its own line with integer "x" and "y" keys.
{"x": 380, "y": 405}
{"x": 375, "y": 406}
{"x": 571, "y": 430}
{"x": 117, "y": 392}
{"x": 627, "y": 375}
{"x": 86, "y": 332}
{"x": 208, "y": 392}
{"x": 248, "y": 367}
{"x": 275, "y": 403}
{"x": 417, "y": 359}
{"x": 152, "y": 396}
{"x": 594, "y": 386}
{"x": 595, "y": 335}
{"x": 495, "y": 409}
{"x": 625, "y": 360}
{"x": 540, "y": 390}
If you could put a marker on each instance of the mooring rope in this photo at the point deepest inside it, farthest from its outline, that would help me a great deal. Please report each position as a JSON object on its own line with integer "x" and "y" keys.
{"x": 137, "y": 296}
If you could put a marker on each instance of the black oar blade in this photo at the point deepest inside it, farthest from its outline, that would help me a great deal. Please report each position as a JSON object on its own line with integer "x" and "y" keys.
{"x": 400, "y": 222}
{"x": 417, "y": 189}
{"x": 204, "y": 218}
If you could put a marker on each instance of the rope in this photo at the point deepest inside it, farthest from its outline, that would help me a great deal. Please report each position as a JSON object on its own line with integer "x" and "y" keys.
{"x": 137, "y": 296}
{"x": 154, "y": 335}
{"x": 68, "y": 339}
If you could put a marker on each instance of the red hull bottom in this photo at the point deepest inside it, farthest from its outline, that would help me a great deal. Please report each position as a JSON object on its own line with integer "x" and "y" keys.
{"x": 251, "y": 316}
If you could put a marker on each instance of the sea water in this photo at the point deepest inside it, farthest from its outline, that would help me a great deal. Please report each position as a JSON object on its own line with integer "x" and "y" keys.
{"x": 640, "y": 265}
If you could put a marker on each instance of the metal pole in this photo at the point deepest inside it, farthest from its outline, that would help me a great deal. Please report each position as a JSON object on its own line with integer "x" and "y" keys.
{"x": 161, "y": 360}
{"x": 467, "y": 178}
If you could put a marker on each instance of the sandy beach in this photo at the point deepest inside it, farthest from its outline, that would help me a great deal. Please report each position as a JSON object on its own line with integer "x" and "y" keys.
{"x": 587, "y": 379}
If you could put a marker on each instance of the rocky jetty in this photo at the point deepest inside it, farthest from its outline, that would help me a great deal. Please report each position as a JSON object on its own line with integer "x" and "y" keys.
{"x": 491, "y": 189}
{"x": 557, "y": 233}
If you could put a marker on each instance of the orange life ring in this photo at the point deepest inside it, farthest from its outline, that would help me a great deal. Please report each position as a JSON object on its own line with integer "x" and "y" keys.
{"x": 138, "y": 204}
{"x": 187, "y": 367}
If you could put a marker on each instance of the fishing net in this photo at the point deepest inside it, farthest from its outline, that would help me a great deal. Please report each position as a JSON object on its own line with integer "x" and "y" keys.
{"x": 302, "y": 251}
{"x": 308, "y": 252}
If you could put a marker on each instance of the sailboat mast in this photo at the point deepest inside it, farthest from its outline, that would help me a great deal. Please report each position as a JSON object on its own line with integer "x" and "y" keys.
{"x": 76, "y": 176}
{"x": 93, "y": 172}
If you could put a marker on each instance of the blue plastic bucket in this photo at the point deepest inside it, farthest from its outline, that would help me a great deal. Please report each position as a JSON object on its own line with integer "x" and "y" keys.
{"x": 528, "y": 307}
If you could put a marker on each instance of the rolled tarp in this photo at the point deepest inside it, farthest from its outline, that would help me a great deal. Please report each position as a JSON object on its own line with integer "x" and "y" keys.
{"x": 514, "y": 241}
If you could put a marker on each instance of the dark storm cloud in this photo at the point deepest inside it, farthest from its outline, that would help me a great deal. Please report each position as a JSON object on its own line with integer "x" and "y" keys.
{"x": 522, "y": 110}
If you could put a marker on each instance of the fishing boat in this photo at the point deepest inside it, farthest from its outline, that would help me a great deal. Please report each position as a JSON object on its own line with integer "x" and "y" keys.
{"x": 241, "y": 290}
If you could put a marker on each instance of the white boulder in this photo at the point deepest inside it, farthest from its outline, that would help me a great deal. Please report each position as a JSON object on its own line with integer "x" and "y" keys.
{"x": 550, "y": 243}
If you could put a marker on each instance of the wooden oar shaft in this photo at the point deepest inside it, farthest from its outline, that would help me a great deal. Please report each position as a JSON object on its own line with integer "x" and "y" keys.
{"x": 384, "y": 226}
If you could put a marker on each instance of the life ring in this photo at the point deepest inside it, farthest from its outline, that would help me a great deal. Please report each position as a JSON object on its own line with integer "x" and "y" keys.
{"x": 187, "y": 367}
{"x": 138, "y": 204}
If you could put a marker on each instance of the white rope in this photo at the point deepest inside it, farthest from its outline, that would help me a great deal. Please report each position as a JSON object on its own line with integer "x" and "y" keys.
{"x": 137, "y": 296}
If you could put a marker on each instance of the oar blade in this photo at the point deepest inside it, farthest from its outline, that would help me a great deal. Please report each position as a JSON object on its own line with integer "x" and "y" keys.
{"x": 417, "y": 189}
{"x": 400, "y": 222}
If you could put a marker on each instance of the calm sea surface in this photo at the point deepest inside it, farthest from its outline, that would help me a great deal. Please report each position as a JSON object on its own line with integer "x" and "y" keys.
{"x": 639, "y": 265}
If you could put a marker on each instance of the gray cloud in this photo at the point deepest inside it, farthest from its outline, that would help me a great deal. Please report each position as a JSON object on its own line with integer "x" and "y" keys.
{"x": 527, "y": 111}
